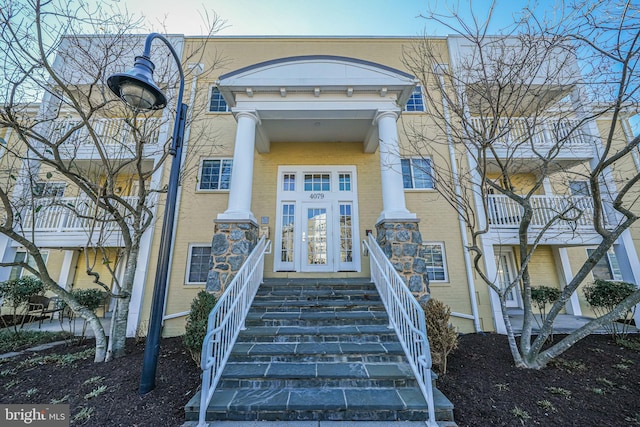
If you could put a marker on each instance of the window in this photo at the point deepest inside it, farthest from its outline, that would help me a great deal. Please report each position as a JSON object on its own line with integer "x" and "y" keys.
{"x": 217, "y": 103}
{"x": 198, "y": 264}
{"x": 415, "y": 102}
{"x": 18, "y": 271}
{"x": 434, "y": 256}
{"x": 317, "y": 182}
{"x": 344, "y": 180}
{"x": 215, "y": 174}
{"x": 48, "y": 189}
{"x": 579, "y": 188}
{"x": 416, "y": 173}
{"x": 607, "y": 268}
{"x": 289, "y": 182}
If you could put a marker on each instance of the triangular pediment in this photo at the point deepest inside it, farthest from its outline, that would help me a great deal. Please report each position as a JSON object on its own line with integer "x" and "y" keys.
{"x": 317, "y": 71}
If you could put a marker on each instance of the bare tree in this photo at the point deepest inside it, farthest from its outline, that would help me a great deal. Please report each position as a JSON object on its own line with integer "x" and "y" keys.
{"x": 109, "y": 157}
{"x": 517, "y": 112}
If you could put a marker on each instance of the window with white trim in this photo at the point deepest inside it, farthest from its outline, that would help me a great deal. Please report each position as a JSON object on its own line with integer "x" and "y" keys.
{"x": 198, "y": 264}
{"x": 579, "y": 188}
{"x": 434, "y": 256}
{"x": 416, "y": 101}
{"x": 49, "y": 189}
{"x": 217, "y": 104}
{"x": 18, "y": 271}
{"x": 215, "y": 174}
{"x": 607, "y": 268}
{"x": 417, "y": 173}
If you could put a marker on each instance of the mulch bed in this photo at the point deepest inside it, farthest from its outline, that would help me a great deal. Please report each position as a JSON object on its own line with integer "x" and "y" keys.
{"x": 596, "y": 383}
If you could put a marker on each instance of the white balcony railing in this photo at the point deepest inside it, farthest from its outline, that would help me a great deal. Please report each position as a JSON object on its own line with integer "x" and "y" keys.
{"x": 112, "y": 132}
{"x": 504, "y": 212}
{"x": 67, "y": 214}
{"x": 540, "y": 133}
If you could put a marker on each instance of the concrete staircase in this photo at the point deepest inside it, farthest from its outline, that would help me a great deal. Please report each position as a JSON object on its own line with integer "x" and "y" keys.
{"x": 318, "y": 349}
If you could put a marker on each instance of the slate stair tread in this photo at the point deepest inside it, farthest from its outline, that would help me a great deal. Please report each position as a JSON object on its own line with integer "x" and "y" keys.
{"x": 318, "y": 349}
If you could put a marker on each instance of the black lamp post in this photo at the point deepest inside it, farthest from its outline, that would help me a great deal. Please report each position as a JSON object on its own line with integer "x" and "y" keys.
{"x": 138, "y": 90}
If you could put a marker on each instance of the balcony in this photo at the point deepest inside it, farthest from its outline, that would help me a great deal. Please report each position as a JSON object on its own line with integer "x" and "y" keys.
{"x": 116, "y": 135}
{"x": 529, "y": 138}
{"x": 68, "y": 222}
{"x": 504, "y": 217}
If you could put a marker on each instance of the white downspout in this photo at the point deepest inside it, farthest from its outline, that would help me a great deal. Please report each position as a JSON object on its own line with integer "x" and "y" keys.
{"x": 197, "y": 70}
{"x": 463, "y": 230}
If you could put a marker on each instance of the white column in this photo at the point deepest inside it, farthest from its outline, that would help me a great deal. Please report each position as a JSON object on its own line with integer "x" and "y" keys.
{"x": 393, "y": 201}
{"x": 491, "y": 269}
{"x": 565, "y": 274}
{"x": 241, "y": 185}
{"x": 68, "y": 269}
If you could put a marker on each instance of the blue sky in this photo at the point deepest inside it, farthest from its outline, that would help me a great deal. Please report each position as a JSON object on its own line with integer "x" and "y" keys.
{"x": 308, "y": 17}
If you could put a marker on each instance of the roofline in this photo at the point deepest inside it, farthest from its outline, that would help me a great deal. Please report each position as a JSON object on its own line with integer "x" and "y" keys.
{"x": 293, "y": 36}
{"x": 313, "y": 58}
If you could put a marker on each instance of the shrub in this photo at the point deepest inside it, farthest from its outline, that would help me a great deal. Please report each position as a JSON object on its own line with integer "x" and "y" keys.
{"x": 443, "y": 337}
{"x": 90, "y": 298}
{"x": 543, "y": 295}
{"x": 196, "y": 327}
{"x": 605, "y": 295}
{"x": 16, "y": 293}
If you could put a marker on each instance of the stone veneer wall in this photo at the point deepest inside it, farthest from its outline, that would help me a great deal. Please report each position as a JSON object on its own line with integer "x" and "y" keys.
{"x": 232, "y": 243}
{"x": 401, "y": 242}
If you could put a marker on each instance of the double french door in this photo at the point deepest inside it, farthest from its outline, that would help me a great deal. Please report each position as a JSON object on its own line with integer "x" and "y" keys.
{"x": 316, "y": 230}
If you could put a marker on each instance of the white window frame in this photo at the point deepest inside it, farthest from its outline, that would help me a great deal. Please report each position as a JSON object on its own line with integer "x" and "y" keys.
{"x": 424, "y": 107}
{"x": 213, "y": 190}
{"x": 413, "y": 187}
{"x": 209, "y": 98}
{"x": 188, "y": 268}
{"x": 581, "y": 182}
{"x": 444, "y": 261}
{"x": 615, "y": 277}
{"x": 28, "y": 257}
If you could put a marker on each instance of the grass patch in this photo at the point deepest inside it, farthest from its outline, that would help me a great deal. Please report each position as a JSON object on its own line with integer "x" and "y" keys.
{"x": 606, "y": 382}
{"x": 61, "y": 400}
{"x": 57, "y": 359}
{"x": 502, "y": 387}
{"x": 521, "y": 415}
{"x": 570, "y": 366}
{"x": 11, "y": 341}
{"x": 559, "y": 391}
{"x": 83, "y": 415}
{"x": 31, "y": 392}
{"x": 631, "y": 344}
{"x": 598, "y": 391}
{"x": 546, "y": 405}
{"x": 95, "y": 392}
{"x": 93, "y": 380}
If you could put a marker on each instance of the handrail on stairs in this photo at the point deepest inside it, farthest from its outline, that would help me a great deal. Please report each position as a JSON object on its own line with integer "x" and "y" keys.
{"x": 226, "y": 320}
{"x": 406, "y": 317}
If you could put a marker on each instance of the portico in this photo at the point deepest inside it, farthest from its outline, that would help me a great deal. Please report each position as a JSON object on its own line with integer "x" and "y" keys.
{"x": 315, "y": 99}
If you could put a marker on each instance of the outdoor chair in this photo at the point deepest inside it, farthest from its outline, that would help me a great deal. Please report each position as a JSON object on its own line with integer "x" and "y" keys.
{"x": 41, "y": 307}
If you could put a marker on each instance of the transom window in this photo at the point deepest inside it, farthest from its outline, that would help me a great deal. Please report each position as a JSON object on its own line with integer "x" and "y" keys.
{"x": 317, "y": 182}
{"x": 344, "y": 181}
{"x": 217, "y": 103}
{"x": 417, "y": 173}
{"x": 49, "y": 189}
{"x": 434, "y": 256}
{"x": 215, "y": 174}
{"x": 289, "y": 182}
{"x": 415, "y": 102}
{"x": 198, "y": 264}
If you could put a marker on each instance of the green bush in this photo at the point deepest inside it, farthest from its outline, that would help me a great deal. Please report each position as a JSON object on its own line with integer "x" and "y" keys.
{"x": 90, "y": 298}
{"x": 15, "y": 294}
{"x": 196, "y": 327}
{"x": 605, "y": 295}
{"x": 543, "y": 295}
{"x": 443, "y": 338}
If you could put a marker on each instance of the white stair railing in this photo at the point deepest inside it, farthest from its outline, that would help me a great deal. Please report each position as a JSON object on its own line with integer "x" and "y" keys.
{"x": 406, "y": 316}
{"x": 226, "y": 320}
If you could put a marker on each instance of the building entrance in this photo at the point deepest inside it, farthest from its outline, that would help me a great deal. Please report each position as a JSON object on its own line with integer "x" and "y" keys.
{"x": 317, "y": 225}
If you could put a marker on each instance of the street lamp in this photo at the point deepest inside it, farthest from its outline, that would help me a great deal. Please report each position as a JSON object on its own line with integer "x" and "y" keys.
{"x": 138, "y": 90}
